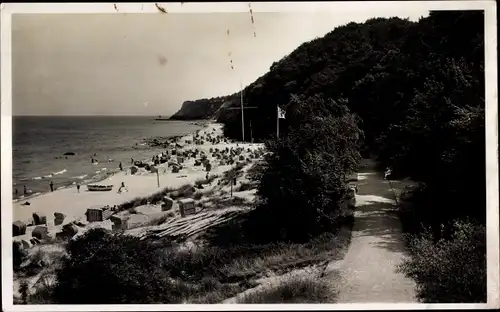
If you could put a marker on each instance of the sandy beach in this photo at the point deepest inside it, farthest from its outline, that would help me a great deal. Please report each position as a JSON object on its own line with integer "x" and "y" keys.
{"x": 74, "y": 205}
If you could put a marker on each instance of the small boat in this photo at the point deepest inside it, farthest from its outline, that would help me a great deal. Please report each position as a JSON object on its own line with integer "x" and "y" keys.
{"x": 101, "y": 188}
{"x": 160, "y": 118}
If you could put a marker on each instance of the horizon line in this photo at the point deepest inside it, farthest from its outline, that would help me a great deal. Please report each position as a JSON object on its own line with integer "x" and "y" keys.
{"x": 89, "y": 115}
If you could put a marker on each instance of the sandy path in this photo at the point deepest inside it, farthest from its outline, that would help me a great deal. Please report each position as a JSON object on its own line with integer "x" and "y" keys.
{"x": 369, "y": 268}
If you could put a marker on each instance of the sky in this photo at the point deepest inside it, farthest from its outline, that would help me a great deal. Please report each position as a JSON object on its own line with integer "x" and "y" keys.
{"x": 149, "y": 64}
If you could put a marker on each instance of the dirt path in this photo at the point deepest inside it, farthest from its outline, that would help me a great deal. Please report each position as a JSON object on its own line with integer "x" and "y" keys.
{"x": 369, "y": 268}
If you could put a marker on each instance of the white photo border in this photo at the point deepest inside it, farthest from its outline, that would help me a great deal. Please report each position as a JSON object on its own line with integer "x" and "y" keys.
{"x": 491, "y": 96}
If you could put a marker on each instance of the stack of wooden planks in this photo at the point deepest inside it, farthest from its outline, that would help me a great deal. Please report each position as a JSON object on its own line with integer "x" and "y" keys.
{"x": 183, "y": 228}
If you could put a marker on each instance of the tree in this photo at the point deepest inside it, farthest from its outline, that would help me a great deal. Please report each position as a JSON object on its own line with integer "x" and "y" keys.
{"x": 303, "y": 185}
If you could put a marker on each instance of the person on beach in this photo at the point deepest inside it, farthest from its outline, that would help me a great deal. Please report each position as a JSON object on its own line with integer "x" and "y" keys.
{"x": 121, "y": 166}
{"x": 122, "y": 188}
{"x": 131, "y": 160}
{"x": 51, "y": 186}
{"x": 78, "y": 187}
{"x": 388, "y": 172}
{"x": 25, "y": 190}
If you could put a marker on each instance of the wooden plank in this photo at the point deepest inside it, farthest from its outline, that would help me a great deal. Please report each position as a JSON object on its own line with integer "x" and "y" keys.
{"x": 215, "y": 221}
{"x": 187, "y": 226}
{"x": 218, "y": 222}
{"x": 177, "y": 229}
{"x": 199, "y": 224}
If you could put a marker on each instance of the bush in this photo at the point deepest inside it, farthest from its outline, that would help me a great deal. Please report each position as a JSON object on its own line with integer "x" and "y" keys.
{"x": 198, "y": 195}
{"x": 303, "y": 182}
{"x": 103, "y": 268}
{"x": 449, "y": 271}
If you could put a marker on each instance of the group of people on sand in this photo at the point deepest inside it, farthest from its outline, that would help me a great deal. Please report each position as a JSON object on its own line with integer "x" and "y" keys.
{"x": 25, "y": 192}
{"x": 93, "y": 160}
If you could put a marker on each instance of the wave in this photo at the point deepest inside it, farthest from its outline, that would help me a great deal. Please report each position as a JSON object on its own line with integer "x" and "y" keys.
{"x": 60, "y": 172}
{"x": 48, "y": 176}
{"x": 37, "y": 178}
{"x": 80, "y": 177}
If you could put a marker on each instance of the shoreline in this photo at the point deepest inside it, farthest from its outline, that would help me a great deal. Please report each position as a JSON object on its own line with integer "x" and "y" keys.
{"x": 109, "y": 172}
{"x": 143, "y": 184}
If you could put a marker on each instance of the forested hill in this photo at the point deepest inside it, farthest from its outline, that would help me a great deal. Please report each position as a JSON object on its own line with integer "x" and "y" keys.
{"x": 381, "y": 68}
{"x": 203, "y": 108}
{"x": 418, "y": 88}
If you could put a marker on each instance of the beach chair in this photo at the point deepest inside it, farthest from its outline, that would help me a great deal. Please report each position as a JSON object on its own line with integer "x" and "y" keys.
{"x": 18, "y": 228}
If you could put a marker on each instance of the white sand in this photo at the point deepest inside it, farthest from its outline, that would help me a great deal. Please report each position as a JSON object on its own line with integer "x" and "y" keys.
{"x": 74, "y": 205}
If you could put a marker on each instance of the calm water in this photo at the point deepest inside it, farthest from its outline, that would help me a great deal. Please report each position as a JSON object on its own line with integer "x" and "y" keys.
{"x": 40, "y": 142}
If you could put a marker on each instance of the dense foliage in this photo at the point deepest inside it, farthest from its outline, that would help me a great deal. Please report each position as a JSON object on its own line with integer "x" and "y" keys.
{"x": 111, "y": 269}
{"x": 303, "y": 183}
{"x": 451, "y": 270}
{"x": 418, "y": 88}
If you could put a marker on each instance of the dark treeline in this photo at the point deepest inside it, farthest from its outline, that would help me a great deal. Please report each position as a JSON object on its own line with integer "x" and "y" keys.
{"x": 418, "y": 90}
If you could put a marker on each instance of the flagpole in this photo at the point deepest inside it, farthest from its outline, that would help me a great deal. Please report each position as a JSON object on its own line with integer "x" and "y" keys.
{"x": 251, "y": 135}
{"x": 242, "y": 117}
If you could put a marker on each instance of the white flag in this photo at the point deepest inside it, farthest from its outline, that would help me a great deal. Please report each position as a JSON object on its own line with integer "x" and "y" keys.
{"x": 281, "y": 113}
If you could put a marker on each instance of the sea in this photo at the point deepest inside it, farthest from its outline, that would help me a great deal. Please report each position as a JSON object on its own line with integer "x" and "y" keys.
{"x": 40, "y": 142}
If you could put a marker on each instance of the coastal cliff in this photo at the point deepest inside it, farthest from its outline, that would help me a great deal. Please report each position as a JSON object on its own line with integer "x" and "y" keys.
{"x": 203, "y": 108}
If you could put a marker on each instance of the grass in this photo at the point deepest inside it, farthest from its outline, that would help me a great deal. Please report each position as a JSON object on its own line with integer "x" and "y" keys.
{"x": 282, "y": 257}
{"x": 203, "y": 181}
{"x": 184, "y": 191}
{"x": 233, "y": 270}
{"x": 155, "y": 221}
{"x": 295, "y": 290}
{"x": 245, "y": 186}
{"x": 243, "y": 263}
{"x": 212, "y": 274}
{"x": 40, "y": 257}
{"x": 221, "y": 202}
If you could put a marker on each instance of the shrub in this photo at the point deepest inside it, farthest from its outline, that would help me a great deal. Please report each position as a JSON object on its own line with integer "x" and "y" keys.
{"x": 303, "y": 182}
{"x": 103, "y": 268}
{"x": 197, "y": 195}
{"x": 449, "y": 271}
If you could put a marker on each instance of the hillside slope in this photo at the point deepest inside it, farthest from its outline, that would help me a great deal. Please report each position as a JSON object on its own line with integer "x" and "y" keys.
{"x": 203, "y": 108}
{"x": 377, "y": 67}
{"x": 418, "y": 88}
